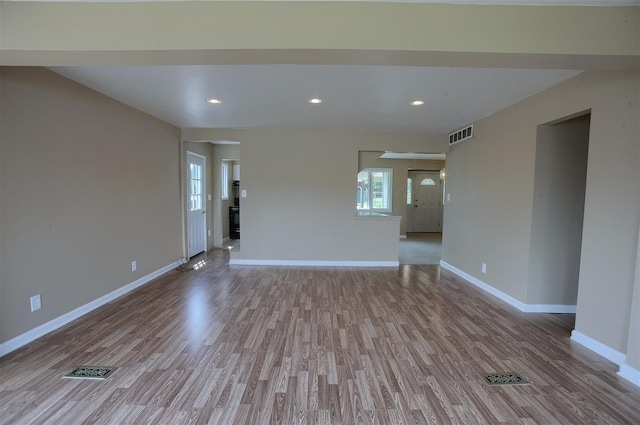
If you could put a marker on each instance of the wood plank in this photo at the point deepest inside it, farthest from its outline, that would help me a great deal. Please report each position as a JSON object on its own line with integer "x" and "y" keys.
{"x": 298, "y": 345}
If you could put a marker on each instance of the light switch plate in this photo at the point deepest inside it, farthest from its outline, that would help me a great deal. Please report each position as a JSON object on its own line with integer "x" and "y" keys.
{"x": 244, "y": 193}
{"x": 36, "y": 302}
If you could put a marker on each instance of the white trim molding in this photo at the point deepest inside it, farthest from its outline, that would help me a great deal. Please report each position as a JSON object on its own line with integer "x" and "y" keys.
{"x": 525, "y": 308}
{"x": 306, "y": 263}
{"x": 39, "y": 331}
{"x": 629, "y": 373}
{"x": 625, "y": 371}
{"x": 599, "y": 348}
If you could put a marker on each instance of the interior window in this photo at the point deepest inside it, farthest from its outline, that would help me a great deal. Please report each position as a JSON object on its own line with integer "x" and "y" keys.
{"x": 374, "y": 189}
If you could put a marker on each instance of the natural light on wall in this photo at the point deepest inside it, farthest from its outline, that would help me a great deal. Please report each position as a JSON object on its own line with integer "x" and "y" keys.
{"x": 374, "y": 189}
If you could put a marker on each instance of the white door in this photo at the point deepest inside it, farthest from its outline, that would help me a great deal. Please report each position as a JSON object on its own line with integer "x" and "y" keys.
{"x": 425, "y": 212}
{"x": 196, "y": 214}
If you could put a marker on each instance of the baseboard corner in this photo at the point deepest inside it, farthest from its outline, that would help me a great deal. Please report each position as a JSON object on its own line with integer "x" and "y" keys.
{"x": 630, "y": 373}
{"x": 60, "y": 321}
{"x": 485, "y": 287}
{"x": 598, "y": 348}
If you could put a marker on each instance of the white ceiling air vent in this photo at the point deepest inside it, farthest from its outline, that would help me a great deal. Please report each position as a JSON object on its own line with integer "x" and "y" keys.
{"x": 460, "y": 135}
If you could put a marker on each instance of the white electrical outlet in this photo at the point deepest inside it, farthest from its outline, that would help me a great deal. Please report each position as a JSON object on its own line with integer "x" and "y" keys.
{"x": 134, "y": 266}
{"x": 36, "y": 303}
{"x": 484, "y": 268}
{"x": 448, "y": 197}
{"x": 209, "y": 232}
{"x": 244, "y": 193}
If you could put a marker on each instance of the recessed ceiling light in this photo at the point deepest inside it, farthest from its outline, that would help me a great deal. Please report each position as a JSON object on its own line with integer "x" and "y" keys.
{"x": 417, "y": 102}
{"x": 214, "y": 101}
{"x": 315, "y": 100}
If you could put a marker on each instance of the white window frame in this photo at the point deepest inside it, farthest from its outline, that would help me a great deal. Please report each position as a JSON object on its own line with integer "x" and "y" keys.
{"x": 224, "y": 181}
{"x": 389, "y": 190}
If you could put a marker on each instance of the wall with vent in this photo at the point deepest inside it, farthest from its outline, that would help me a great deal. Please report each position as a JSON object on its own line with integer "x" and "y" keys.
{"x": 491, "y": 181}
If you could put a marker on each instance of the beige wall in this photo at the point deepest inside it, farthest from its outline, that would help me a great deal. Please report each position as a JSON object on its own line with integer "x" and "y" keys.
{"x": 633, "y": 342}
{"x": 611, "y": 216}
{"x": 301, "y": 192}
{"x": 491, "y": 182}
{"x": 385, "y": 32}
{"x": 88, "y": 185}
{"x": 401, "y": 167}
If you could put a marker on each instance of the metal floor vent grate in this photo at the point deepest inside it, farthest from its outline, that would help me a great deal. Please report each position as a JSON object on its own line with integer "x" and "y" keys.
{"x": 91, "y": 372}
{"x": 506, "y": 378}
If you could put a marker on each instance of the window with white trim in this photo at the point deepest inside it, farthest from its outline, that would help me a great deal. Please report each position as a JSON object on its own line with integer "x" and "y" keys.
{"x": 374, "y": 189}
{"x": 224, "y": 181}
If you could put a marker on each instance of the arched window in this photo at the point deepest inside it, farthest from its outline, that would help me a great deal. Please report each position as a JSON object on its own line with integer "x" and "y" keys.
{"x": 427, "y": 182}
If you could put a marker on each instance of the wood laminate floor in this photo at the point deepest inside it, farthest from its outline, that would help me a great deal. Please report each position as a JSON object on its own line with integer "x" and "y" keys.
{"x": 269, "y": 345}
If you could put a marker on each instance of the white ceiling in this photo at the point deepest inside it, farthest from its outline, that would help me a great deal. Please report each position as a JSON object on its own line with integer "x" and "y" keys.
{"x": 371, "y": 98}
{"x": 358, "y": 97}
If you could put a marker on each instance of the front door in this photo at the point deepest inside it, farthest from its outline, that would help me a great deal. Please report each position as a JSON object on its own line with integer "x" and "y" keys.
{"x": 196, "y": 214}
{"x": 425, "y": 211}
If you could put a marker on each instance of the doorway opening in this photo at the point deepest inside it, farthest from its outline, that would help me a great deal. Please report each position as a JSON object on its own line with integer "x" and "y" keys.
{"x": 424, "y": 202}
{"x": 230, "y": 205}
{"x": 420, "y": 243}
{"x": 558, "y": 211}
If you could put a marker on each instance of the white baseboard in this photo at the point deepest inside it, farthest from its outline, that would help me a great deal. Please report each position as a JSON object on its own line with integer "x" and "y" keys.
{"x": 629, "y": 373}
{"x": 37, "y": 332}
{"x": 403, "y": 236}
{"x": 525, "y": 308}
{"x": 305, "y": 263}
{"x": 487, "y": 288}
{"x": 599, "y": 348}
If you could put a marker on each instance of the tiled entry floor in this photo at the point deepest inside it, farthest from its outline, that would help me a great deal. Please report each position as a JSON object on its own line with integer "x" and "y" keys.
{"x": 421, "y": 248}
